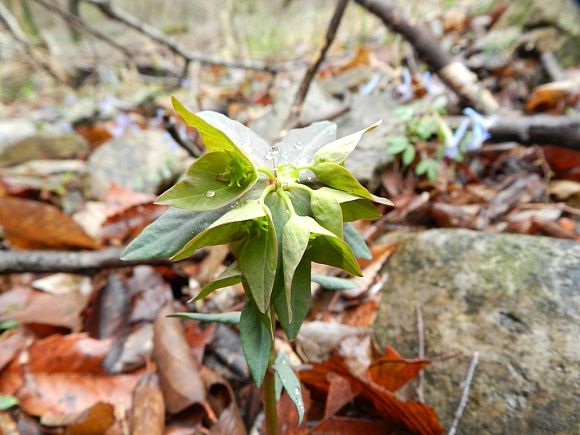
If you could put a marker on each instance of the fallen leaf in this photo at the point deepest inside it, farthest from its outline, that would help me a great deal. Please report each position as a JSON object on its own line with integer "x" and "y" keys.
{"x": 288, "y": 413}
{"x": 178, "y": 371}
{"x": 149, "y": 293}
{"x": 370, "y": 269}
{"x": 36, "y": 225}
{"x": 94, "y": 420}
{"x": 317, "y": 339}
{"x": 148, "y": 413}
{"x": 391, "y": 371}
{"x": 339, "y": 394}
{"x": 350, "y": 426}
{"x": 11, "y": 342}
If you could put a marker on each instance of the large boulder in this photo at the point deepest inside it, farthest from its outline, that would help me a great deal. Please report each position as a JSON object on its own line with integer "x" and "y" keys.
{"x": 514, "y": 299}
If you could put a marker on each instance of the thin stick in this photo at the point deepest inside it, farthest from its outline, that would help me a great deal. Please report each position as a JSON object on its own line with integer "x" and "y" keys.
{"x": 464, "y": 395}
{"x": 303, "y": 89}
{"x": 79, "y": 24}
{"x": 421, "y": 339}
{"x": 151, "y": 32}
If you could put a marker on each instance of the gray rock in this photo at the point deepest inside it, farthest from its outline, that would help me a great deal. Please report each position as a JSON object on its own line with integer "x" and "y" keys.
{"x": 143, "y": 161}
{"x": 14, "y": 130}
{"x": 515, "y": 300}
{"x": 43, "y": 146}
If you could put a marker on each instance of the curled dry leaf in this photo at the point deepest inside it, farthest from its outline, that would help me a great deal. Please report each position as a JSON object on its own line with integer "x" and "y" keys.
{"x": 36, "y": 225}
{"x": 223, "y": 403}
{"x": 148, "y": 414}
{"x": 391, "y": 371}
{"x": 179, "y": 372}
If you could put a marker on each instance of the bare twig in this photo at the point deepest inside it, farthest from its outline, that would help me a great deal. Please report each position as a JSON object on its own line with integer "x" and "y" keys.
{"x": 455, "y": 75}
{"x": 129, "y": 20}
{"x": 11, "y": 23}
{"x": 464, "y": 395}
{"x": 79, "y": 24}
{"x": 421, "y": 339}
{"x": 303, "y": 89}
{"x": 82, "y": 262}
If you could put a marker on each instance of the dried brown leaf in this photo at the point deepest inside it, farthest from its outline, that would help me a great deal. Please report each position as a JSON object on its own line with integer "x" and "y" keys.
{"x": 391, "y": 371}
{"x": 148, "y": 414}
{"x": 96, "y": 419}
{"x": 179, "y": 372}
{"x": 36, "y": 225}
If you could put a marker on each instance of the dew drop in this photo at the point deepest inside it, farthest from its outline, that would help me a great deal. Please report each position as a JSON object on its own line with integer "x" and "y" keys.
{"x": 269, "y": 156}
{"x": 284, "y": 156}
{"x": 210, "y": 194}
{"x": 296, "y": 391}
{"x": 309, "y": 178}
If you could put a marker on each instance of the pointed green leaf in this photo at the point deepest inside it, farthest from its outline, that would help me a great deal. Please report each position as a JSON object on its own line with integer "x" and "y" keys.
{"x": 397, "y": 144}
{"x": 327, "y": 210}
{"x": 333, "y": 282}
{"x": 231, "y": 276}
{"x": 299, "y": 299}
{"x": 409, "y": 155}
{"x": 326, "y": 248}
{"x": 299, "y": 145}
{"x": 257, "y": 257}
{"x": 231, "y": 318}
{"x": 353, "y": 207}
{"x": 294, "y": 243}
{"x": 356, "y": 242}
{"x": 338, "y": 151}
{"x": 232, "y": 227}
{"x": 340, "y": 178}
{"x": 256, "y": 341}
{"x": 212, "y": 181}
{"x": 290, "y": 382}
{"x": 7, "y": 402}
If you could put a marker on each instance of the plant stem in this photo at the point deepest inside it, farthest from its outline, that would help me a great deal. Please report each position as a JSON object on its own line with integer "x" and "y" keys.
{"x": 270, "y": 386}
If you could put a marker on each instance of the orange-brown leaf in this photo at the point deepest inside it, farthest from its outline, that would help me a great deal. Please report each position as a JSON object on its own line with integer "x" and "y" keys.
{"x": 391, "y": 371}
{"x": 148, "y": 415}
{"x": 36, "y": 225}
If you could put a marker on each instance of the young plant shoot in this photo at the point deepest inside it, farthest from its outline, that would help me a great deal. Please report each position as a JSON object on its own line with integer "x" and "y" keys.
{"x": 280, "y": 208}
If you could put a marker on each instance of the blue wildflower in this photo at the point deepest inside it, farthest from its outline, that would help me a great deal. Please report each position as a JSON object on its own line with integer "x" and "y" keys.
{"x": 480, "y": 130}
{"x": 405, "y": 89}
{"x": 452, "y": 143}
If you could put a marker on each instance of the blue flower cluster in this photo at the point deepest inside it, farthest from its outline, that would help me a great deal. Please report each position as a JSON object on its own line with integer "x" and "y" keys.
{"x": 479, "y": 133}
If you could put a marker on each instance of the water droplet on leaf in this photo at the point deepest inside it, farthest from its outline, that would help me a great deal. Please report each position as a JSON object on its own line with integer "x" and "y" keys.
{"x": 210, "y": 194}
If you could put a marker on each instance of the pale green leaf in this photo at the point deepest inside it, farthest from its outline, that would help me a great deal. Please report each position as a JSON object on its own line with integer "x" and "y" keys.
{"x": 256, "y": 340}
{"x": 409, "y": 155}
{"x": 397, "y": 144}
{"x": 299, "y": 145}
{"x": 174, "y": 228}
{"x": 7, "y": 402}
{"x": 338, "y": 151}
{"x": 231, "y": 276}
{"x": 207, "y": 186}
{"x": 333, "y": 282}
{"x": 356, "y": 243}
{"x": 353, "y": 207}
{"x": 232, "y": 227}
{"x": 290, "y": 382}
{"x": 340, "y": 178}
{"x": 326, "y": 248}
{"x": 327, "y": 211}
{"x": 294, "y": 243}
{"x": 231, "y": 318}
{"x": 257, "y": 257}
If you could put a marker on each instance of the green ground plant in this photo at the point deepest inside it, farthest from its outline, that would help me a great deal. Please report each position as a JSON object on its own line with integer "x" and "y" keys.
{"x": 280, "y": 208}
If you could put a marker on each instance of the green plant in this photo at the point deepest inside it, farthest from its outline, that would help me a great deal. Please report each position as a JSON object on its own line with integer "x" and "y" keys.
{"x": 280, "y": 208}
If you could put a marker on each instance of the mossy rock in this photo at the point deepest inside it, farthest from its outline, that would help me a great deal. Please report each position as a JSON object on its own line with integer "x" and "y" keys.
{"x": 514, "y": 299}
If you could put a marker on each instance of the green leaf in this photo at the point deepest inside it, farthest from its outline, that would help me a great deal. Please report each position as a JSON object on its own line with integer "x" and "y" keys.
{"x": 432, "y": 171}
{"x": 299, "y": 299}
{"x": 421, "y": 167}
{"x": 219, "y": 133}
{"x": 340, "y": 178}
{"x": 231, "y": 318}
{"x": 356, "y": 242}
{"x": 294, "y": 243}
{"x": 326, "y": 248}
{"x": 257, "y": 257}
{"x": 397, "y": 144}
{"x": 299, "y": 145}
{"x": 9, "y": 324}
{"x": 353, "y": 207}
{"x": 231, "y": 276}
{"x": 333, "y": 282}
{"x": 338, "y": 151}
{"x": 212, "y": 181}
{"x": 290, "y": 382}
{"x": 233, "y": 226}
{"x": 327, "y": 210}
{"x": 7, "y": 402}
{"x": 256, "y": 340}
{"x": 174, "y": 228}
{"x": 406, "y": 113}
{"x": 409, "y": 155}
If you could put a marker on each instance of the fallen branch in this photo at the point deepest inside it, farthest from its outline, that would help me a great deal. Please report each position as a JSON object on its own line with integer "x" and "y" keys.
{"x": 452, "y": 72}
{"x": 296, "y": 108}
{"x": 464, "y": 395}
{"x": 79, "y": 24}
{"x": 151, "y": 32}
{"x": 81, "y": 262}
